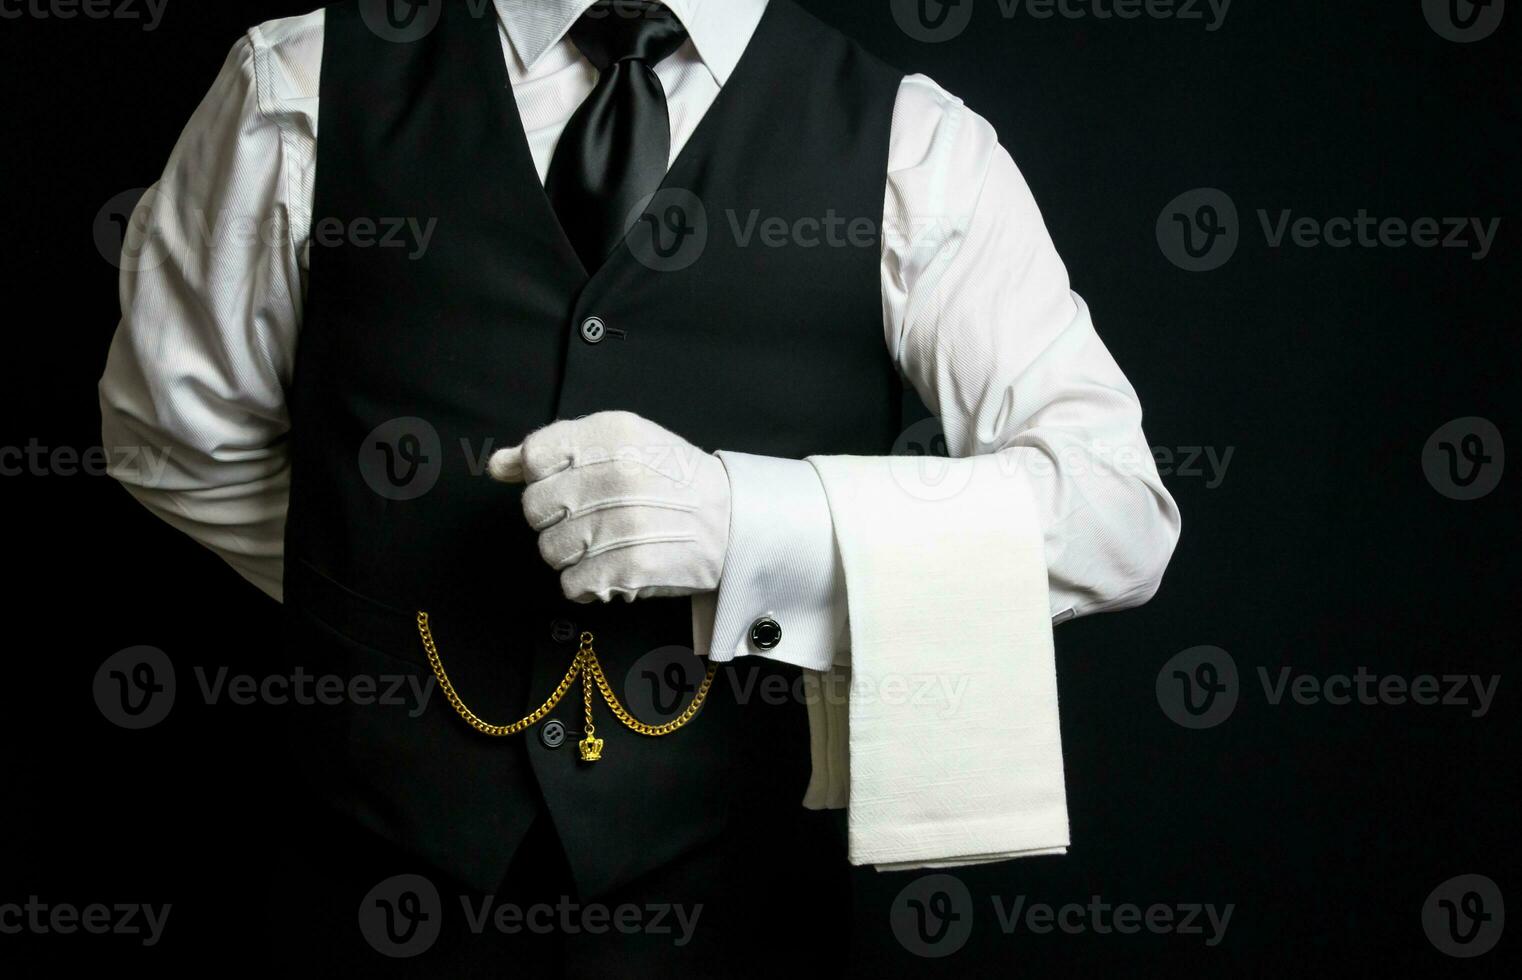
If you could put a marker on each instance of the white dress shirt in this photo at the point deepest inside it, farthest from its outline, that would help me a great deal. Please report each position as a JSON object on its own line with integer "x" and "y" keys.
{"x": 977, "y": 315}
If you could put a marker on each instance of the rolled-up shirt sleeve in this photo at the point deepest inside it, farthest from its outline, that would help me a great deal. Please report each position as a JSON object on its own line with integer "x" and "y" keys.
{"x": 211, "y": 287}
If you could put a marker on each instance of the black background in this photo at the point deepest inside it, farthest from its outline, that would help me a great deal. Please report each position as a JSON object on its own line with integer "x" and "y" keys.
{"x": 1324, "y": 371}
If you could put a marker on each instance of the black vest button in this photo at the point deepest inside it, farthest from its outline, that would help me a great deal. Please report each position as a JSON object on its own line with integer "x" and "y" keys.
{"x": 765, "y": 633}
{"x": 562, "y": 631}
{"x": 593, "y": 330}
{"x": 552, "y": 733}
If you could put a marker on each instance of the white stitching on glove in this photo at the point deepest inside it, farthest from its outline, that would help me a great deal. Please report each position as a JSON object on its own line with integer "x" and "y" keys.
{"x": 622, "y": 506}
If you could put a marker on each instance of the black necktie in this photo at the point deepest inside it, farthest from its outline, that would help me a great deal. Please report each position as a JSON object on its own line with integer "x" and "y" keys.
{"x": 615, "y": 149}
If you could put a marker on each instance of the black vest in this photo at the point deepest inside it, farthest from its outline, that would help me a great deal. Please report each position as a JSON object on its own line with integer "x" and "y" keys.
{"x": 417, "y": 358}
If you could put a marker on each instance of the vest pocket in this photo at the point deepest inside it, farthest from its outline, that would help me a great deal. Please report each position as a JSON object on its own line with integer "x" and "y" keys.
{"x": 353, "y": 617}
{"x": 379, "y": 744}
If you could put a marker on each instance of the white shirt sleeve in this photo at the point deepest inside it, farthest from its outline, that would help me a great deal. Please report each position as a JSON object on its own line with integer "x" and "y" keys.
{"x": 979, "y": 317}
{"x": 211, "y": 286}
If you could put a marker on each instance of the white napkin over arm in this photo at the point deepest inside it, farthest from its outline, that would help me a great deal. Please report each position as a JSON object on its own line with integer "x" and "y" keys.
{"x": 1058, "y": 512}
{"x": 947, "y": 749}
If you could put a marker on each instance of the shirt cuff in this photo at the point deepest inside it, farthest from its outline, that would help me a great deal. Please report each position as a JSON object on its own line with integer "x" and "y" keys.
{"x": 782, "y": 565}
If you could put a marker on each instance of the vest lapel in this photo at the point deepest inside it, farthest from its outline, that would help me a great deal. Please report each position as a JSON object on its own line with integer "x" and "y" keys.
{"x": 488, "y": 63}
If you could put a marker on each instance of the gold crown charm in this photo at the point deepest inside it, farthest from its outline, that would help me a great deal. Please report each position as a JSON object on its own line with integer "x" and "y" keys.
{"x": 591, "y": 749}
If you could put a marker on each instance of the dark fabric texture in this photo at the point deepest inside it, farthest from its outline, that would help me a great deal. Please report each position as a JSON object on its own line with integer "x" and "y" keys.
{"x": 414, "y": 363}
{"x": 695, "y": 916}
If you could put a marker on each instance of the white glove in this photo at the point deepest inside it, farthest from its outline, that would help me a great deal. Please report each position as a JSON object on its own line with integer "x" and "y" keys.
{"x": 622, "y": 506}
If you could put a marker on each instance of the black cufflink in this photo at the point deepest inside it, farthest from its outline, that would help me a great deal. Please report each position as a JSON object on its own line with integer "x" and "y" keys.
{"x": 765, "y": 633}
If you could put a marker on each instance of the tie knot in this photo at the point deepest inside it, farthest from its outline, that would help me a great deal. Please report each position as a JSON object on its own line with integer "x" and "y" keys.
{"x": 618, "y": 30}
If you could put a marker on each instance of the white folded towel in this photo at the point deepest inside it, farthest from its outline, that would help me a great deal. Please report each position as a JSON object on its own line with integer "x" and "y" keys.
{"x": 947, "y": 750}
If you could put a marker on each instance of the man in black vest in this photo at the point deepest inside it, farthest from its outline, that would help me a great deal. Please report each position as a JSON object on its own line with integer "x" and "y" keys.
{"x": 664, "y": 226}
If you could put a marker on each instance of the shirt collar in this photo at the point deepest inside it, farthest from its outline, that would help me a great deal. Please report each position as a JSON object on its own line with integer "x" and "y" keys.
{"x": 720, "y": 29}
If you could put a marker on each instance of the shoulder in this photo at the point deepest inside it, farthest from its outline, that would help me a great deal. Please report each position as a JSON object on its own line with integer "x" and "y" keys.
{"x": 284, "y": 60}
{"x": 934, "y": 128}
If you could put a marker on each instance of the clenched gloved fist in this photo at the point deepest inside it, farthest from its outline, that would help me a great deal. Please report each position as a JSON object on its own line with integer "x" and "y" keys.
{"x": 622, "y": 506}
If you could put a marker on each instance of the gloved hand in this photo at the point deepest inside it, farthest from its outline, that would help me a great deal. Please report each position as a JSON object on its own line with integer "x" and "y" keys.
{"x": 622, "y": 506}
